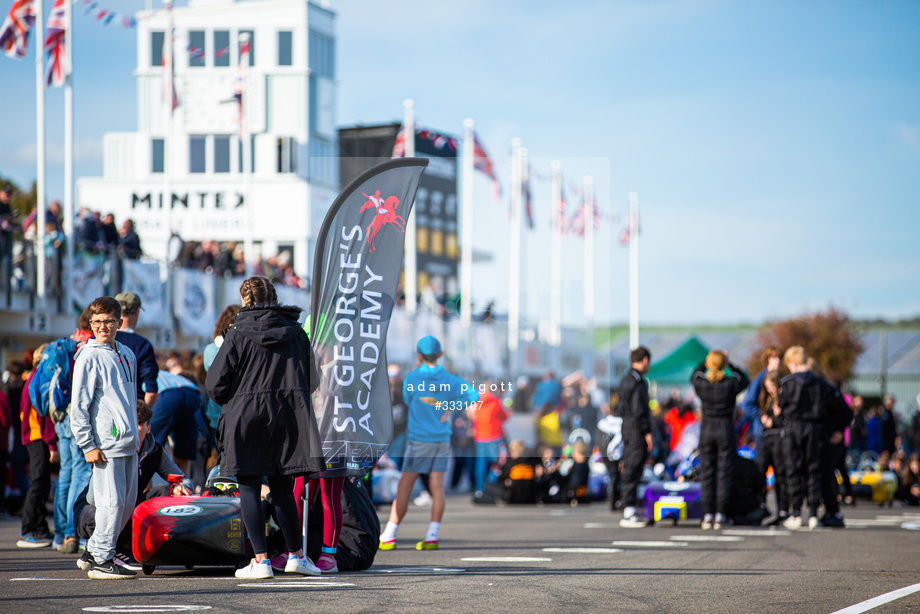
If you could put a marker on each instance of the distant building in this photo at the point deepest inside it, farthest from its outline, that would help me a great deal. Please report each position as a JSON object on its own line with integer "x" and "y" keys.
{"x": 436, "y": 204}
{"x": 290, "y": 95}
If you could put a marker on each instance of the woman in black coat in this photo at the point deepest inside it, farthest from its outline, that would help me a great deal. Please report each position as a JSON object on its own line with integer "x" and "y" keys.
{"x": 717, "y": 382}
{"x": 263, "y": 376}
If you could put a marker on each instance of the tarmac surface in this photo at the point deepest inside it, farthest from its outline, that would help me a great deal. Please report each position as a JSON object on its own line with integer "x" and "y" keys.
{"x": 528, "y": 559}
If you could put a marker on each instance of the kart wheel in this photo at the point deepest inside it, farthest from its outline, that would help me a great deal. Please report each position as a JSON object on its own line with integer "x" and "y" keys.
{"x": 147, "y": 569}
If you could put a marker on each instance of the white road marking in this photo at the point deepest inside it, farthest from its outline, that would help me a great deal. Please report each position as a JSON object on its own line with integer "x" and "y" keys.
{"x": 507, "y": 559}
{"x": 650, "y": 544}
{"x": 599, "y": 525}
{"x": 584, "y": 550}
{"x": 48, "y": 579}
{"x": 864, "y": 522}
{"x": 707, "y": 538}
{"x": 147, "y": 608}
{"x": 868, "y": 604}
{"x": 559, "y": 513}
{"x": 417, "y": 570}
{"x": 911, "y": 526}
{"x": 292, "y": 584}
{"x": 757, "y": 532}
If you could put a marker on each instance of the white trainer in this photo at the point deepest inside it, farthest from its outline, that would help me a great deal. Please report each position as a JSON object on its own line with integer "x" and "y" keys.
{"x": 793, "y": 522}
{"x": 812, "y": 523}
{"x": 302, "y": 565}
{"x": 707, "y": 522}
{"x": 256, "y": 570}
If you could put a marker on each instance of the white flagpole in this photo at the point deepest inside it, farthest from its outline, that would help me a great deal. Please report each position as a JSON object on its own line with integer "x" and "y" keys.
{"x": 40, "y": 136}
{"x": 167, "y": 138}
{"x": 466, "y": 255}
{"x": 68, "y": 157}
{"x": 589, "y": 256}
{"x": 514, "y": 292}
{"x": 633, "y": 270}
{"x": 411, "y": 266}
{"x": 556, "y": 256}
{"x": 248, "y": 241}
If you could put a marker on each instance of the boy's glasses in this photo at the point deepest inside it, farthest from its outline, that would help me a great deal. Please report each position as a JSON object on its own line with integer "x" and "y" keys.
{"x": 103, "y": 323}
{"x": 225, "y": 485}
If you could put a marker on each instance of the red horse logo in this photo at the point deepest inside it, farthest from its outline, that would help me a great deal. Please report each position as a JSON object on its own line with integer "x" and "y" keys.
{"x": 386, "y": 214}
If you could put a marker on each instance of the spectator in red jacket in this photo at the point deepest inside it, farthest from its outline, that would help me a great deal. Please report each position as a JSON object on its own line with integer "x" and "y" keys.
{"x": 40, "y": 439}
{"x": 488, "y": 416}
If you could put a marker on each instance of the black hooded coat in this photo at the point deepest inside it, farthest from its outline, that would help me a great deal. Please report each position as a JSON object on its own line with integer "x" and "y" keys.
{"x": 263, "y": 376}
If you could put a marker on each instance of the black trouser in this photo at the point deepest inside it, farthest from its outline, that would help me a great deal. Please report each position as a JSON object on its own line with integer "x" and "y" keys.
{"x": 33, "y": 510}
{"x": 6, "y": 266}
{"x": 282, "y": 489}
{"x": 771, "y": 454}
{"x": 613, "y": 488}
{"x": 843, "y": 469}
{"x": 717, "y": 463}
{"x": 635, "y": 451}
{"x": 803, "y": 447}
{"x": 829, "y": 459}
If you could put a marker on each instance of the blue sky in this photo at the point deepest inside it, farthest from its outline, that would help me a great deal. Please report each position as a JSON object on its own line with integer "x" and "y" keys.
{"x": 775, "y": 147}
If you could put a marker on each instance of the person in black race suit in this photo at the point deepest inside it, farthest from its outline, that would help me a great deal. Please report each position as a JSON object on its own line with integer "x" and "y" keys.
{"x": 770, "y": 452}
{"x": 262, "y": 377}
{"x": 637, "y": 433}
{"x": 717, "y": 383}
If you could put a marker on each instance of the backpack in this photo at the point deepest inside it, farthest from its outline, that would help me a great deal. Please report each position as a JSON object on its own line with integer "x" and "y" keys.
{"x": 50, "y": 389}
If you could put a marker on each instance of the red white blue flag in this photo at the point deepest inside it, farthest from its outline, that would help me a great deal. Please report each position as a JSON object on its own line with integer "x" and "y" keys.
{"x": 577, "y": 222}
{"x": 528, "y": 198}
{"x": 172, "y": 77}
{"x": 14, "y": 34}
{"x": 55, "y": 41}
{"x": 560, "y": 211}
{"x": 483, "y": 163}
{"x": 399, "y": 146}
{"x": 240, "y": 86}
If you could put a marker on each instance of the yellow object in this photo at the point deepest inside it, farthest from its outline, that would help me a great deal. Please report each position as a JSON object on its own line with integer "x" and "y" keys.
{"x": 882, "y": 483}
{"x": 548, "y": 429}
{"x": 670, "y": 507}
{"x": 387, "y": 546}
{"x": 423, "y": 545}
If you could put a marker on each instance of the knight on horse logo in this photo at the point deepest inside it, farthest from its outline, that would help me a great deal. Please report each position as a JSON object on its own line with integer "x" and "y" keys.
{"x": 386, "y": 214}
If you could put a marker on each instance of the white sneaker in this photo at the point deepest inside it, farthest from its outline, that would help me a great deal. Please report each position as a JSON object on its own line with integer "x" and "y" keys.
{"x": 793, "y": 522}
{"x": 302, "y": 565}
{"x": 633, "y": 522}
{"x": 812, "y": 523}
{"x": 423, "y": 500}
{"x": 720, "y": 522}
{"x": 256, "y": 570}
{"x": 707, "y": 522}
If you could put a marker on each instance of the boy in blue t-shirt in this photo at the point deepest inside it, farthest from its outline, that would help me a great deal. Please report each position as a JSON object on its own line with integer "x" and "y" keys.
{"x": 431, "y": 393}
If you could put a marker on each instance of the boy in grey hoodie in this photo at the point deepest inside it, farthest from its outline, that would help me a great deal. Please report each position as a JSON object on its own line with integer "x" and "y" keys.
{"x": 103, "y": 418}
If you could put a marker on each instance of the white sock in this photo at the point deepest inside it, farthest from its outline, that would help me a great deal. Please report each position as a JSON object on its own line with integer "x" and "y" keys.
{"x": 432, "y": 534}
{"x": 389, "y": 533}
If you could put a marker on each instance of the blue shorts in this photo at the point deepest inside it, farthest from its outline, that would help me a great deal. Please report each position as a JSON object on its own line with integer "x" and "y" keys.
{"x": 426, "y": 457}
{"x": 174, "y": 413}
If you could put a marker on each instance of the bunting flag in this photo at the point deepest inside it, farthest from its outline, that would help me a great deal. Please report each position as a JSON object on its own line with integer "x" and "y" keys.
{"x": 14, "y": 34}
{"x": 240, "y": 85}
{"x": 55, "y": 41}
{"x": 483, "y": 163}
{"x": 528, "y": 198}
{"x": 359, "y": 252}
{"x": 107, "y": 16}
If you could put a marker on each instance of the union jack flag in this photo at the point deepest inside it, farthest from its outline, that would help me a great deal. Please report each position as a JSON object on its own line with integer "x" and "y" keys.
{"x": 483, "y": 163}
{"x": 239, "y": 87}
{"x": 14, "y": 35}
{"x": 172, "y": 80}
{"x": 631, "y": 226}
{"x": 399, "y": 146}
{"x": 528, "y": 199}
{"x": 55, "y": 41}
{"x": 195, "y": 53}
{"x": 577, "y": 222}
{"x": 559, "y": 213}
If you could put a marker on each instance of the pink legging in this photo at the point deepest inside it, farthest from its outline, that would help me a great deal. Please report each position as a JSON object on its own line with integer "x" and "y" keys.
{"x": 331, "y": 493}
